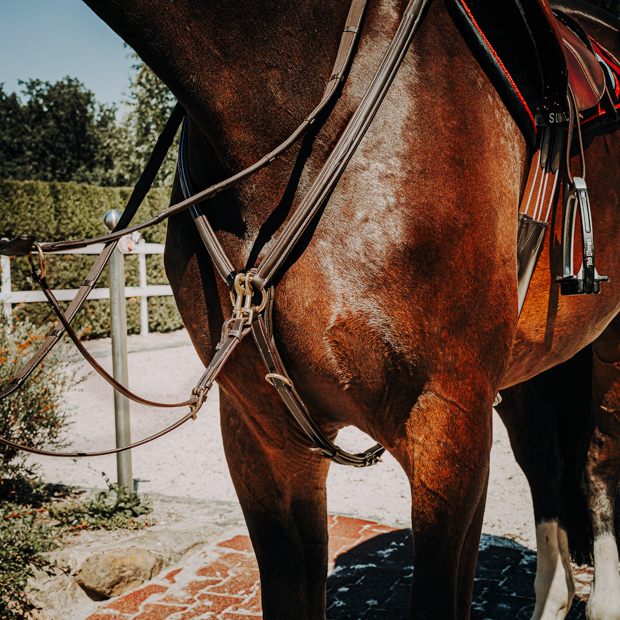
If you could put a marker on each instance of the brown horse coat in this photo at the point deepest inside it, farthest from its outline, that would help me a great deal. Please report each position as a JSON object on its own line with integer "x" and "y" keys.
{"x": 398, "y": 311}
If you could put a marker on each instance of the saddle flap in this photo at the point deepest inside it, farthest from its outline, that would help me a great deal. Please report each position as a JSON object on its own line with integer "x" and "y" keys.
{"x": 585, "y": 73}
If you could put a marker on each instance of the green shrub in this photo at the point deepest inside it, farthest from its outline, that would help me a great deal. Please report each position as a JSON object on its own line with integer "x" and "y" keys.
{"x": 58, "y": 211}
{"x": 23, "y": 540}
{"x": 34, "y": 414}
{"x": 114, "y": 508}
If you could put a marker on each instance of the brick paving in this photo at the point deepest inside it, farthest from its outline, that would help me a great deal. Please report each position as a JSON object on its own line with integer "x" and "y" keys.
{"x": 370, "y": 577}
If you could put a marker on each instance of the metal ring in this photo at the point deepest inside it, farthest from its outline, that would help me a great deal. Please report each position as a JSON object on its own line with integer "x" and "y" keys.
{"x": 263, "y": 302}
{"x": 269, "y": 377}
{"x": 41, "y": 274}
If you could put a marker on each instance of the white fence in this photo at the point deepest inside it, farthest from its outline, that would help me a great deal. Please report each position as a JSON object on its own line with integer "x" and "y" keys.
{"x": 144, "y": 291}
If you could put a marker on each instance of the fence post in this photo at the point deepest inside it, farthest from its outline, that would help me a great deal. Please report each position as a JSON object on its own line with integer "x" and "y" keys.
{"x": 5, "y": 267}
{"x": 118, "y": 329}
{"x": 144, "y": 300}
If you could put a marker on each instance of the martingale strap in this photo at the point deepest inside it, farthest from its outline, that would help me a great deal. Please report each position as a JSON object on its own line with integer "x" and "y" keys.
{"x": 246, "y": 317}
{"x": 259, "y": 278}
{"x": 280, "y": 380}
{"x": 26, "y": 245}
{"x": 344, "y": 149}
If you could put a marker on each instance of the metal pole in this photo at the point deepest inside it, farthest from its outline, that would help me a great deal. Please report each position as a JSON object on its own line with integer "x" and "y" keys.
{"x": 118, "y": 328}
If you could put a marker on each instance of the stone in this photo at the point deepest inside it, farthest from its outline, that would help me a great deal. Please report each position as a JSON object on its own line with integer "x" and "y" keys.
{"x": 116, "y": 571}
{"x": 57, "y": 597}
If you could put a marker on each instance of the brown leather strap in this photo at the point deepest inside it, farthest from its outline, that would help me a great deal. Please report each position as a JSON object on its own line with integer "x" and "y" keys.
{"x": 20, "y": 246}
{"x": 119, "y": 387}
{"x": 230, "y": 340}
{"x": 280, "y": 380}
{"x": 343, "y": 58}
{"x": 73, "y": 455}
{"x": 216, "y": 252}
{"x": 346, "y": 146}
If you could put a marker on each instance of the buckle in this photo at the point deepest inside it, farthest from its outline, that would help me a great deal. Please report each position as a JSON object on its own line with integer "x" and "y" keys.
{"x": 242, "y": 296}
{"x": 201, "y": 393}
{"x": 269, "y": 377}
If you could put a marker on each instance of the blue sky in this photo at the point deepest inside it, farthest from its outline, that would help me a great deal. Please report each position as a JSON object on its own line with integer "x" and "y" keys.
{"x": 49, "y": 39}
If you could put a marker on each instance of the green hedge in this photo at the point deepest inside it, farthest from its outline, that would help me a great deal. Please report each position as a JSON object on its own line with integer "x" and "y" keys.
{"x": 58, "y": 211}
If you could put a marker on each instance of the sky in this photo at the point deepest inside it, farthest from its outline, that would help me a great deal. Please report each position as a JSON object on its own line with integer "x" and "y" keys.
{"x": 50, "y": 39}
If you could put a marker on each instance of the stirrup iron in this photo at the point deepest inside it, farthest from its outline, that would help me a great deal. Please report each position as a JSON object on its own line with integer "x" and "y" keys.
{"x": 587, "y": 281}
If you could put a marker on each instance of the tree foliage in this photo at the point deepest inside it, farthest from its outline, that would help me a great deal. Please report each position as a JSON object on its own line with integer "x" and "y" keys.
{"x": 35, "y": 414}
{"x": 58, "y": 132}
{"x": 150, "y": 103}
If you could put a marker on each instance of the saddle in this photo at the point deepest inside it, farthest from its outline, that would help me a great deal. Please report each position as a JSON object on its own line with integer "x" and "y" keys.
{"x": 553, "y": 78}
{"x": 566, "y": 57}
{"x": 534, "y": 56}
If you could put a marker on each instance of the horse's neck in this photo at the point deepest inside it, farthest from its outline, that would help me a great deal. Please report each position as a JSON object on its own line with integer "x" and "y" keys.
{"x": 249, "y": 73}
{"x": 248, "y": 64}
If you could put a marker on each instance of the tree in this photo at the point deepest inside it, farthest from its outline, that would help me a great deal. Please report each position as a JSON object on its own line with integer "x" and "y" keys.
{"x": 60, "y": 133}
{"x": 150, "y": 104}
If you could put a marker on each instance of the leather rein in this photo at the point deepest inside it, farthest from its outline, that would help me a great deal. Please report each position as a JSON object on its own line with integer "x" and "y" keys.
{"x": 247, "y": 317}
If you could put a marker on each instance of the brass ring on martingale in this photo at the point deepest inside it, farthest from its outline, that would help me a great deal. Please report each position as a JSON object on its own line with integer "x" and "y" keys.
{"x": 263, "y": 302}
{"x": 41, "y": 274}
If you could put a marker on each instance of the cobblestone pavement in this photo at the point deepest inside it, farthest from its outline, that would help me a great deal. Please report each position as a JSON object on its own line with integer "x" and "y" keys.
{"x": 370, "y": 576}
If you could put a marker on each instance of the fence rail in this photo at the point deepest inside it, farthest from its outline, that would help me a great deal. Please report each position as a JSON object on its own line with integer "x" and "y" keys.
{"x": 144, "y": 291}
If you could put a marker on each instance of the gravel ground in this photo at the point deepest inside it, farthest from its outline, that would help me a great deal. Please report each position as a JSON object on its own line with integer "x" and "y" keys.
{"x": 190, "y": 462}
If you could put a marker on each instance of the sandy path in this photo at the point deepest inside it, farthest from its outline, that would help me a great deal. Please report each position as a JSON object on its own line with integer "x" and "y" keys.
{"x": 190, "y": 461}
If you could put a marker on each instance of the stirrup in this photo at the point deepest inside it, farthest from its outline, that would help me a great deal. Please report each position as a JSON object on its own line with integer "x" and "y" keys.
{"x": 587, "y": 281}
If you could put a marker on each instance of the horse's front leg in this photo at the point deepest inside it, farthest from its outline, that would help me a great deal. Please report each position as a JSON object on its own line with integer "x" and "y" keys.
{"x": 281, "y": 488}
{"x": 446, "y": 455}
{"x": 602, "y": 473}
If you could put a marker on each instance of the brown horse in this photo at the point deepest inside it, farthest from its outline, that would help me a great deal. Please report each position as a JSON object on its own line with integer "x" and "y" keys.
{"x": 398, "y": 311}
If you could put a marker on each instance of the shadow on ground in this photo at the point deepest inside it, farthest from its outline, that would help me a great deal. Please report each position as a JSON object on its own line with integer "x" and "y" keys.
{"x": 372, "y": 581}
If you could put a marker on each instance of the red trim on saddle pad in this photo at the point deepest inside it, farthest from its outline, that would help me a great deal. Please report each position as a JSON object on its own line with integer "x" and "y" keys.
{"x": 499, "y": 62}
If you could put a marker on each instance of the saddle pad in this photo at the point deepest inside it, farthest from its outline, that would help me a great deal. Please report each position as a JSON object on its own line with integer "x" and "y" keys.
{"x": 499, "y": 38}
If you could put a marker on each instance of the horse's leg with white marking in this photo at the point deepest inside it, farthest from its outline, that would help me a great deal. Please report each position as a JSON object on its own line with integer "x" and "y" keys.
{"x": 445, "y": 453}
{"x": 281, "y": 488}
{"x": 554, "y": 585}
{"x": 602, "y": 474}
{"x": 530, "y": 418}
